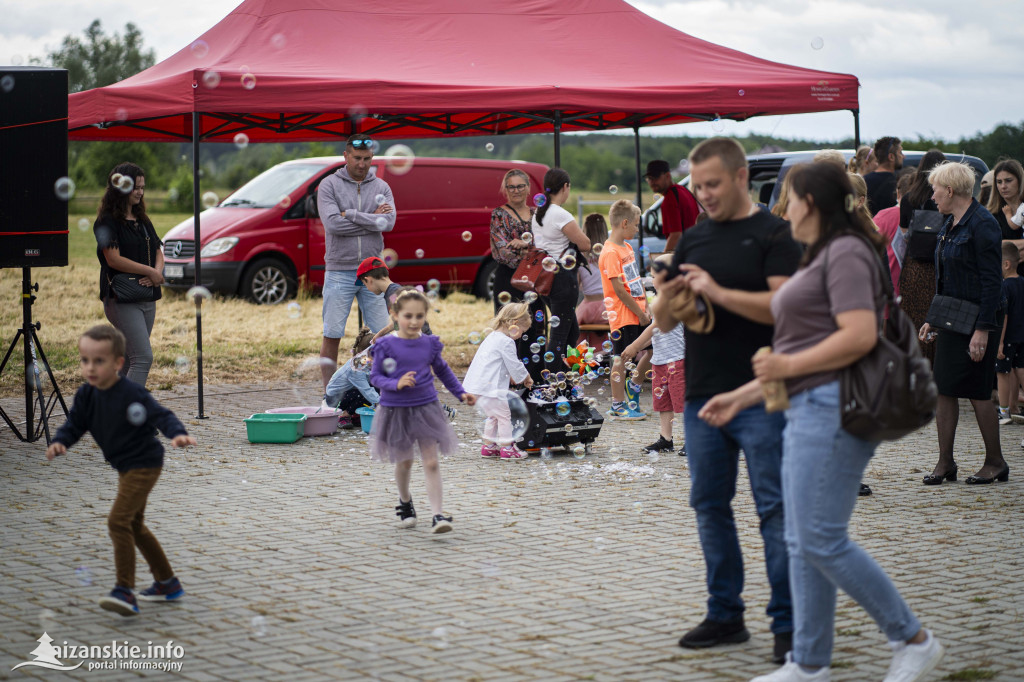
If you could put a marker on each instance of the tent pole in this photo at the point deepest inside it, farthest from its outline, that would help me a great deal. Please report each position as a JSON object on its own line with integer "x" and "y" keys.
{"x": 639, "y": 194}
{"x": 196, "y": 119}
{"x": 856, "y": 128}
{"x": 558, "y": 145}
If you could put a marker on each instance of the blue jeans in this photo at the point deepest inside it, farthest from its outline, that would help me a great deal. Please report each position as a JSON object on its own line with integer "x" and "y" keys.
{"x": 340, "y": 287}
{"x": 822, "y": 467}
{"x": 713, "y": 457}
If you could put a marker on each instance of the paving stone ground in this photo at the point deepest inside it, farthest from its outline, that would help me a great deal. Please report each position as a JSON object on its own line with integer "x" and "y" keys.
{"x": 560, "y": 569}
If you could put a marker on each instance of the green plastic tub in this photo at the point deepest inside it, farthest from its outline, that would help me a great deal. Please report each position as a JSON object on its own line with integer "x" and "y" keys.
{"x": 275, "y": 428}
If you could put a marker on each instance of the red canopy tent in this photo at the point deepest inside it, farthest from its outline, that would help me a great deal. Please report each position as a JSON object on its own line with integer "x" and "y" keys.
{"x": 305, "y": 70}
{"x": 298, "y": 70}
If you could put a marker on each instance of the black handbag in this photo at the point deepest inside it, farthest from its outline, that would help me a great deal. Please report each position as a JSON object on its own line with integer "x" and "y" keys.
{"x": 953, "y": 315}
{"x": 923, "y": 234}
{"x": 889, "y": 392}
{"x": 126, "y": 287}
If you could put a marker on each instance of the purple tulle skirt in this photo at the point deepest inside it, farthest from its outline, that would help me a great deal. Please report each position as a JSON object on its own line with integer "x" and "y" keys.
{"x": 403, "y": 433}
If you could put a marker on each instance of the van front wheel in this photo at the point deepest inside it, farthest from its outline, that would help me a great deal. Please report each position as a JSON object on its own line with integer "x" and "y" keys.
{"x": 484, "y": 287}
{"x": 268, "y": 281}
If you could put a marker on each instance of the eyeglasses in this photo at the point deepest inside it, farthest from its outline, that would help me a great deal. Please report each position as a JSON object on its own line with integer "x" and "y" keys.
{"x": 516, "y": 188}
{"x": 361, "y": 144}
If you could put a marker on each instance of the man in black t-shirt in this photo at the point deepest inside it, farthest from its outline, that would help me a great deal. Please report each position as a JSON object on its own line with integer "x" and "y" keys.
{"x": 882, "y": 181}
{"x": 737, "y": 258}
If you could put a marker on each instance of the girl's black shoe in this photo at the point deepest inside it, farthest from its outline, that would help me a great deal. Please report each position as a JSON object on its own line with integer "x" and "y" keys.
{"x": 937, "y": 479}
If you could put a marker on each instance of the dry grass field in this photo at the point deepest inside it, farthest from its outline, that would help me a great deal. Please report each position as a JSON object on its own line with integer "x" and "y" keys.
{"x": 242, "y": 342}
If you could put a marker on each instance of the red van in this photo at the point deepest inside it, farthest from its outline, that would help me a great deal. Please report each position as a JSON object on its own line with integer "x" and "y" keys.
{"x": 267, "y": 235}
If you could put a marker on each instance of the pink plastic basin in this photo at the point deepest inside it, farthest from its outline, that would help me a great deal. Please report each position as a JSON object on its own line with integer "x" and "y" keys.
{"x": 318, "y": 422}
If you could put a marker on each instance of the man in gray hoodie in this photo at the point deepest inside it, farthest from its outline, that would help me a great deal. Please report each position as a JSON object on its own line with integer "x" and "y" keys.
{"x": 357, "y": 208}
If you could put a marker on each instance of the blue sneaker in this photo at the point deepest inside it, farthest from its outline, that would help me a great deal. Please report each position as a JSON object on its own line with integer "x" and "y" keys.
{"x": 625, "y": 413}
{"x": 158, "y": 591}
{"x": 632, "y": 395}
{"x": 120, "y": 600}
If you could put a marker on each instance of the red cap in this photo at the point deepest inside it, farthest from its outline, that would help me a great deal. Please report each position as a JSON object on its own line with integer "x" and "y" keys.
{"x": 368, "y": 264}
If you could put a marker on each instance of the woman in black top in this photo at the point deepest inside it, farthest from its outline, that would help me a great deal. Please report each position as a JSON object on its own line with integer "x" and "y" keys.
{"x": 1007, "y": 192}
{"x": 127, "y": 243}
{"x": 917, "y": 276}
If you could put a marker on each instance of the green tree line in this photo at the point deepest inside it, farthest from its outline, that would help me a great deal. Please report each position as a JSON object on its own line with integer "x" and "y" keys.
{"x": 597, "y": 161}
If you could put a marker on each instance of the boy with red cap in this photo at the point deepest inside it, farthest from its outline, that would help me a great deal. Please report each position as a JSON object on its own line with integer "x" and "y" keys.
{"x": 375, "y": 276}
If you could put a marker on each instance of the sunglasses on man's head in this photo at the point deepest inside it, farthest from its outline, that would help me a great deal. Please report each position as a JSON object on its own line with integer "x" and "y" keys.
{"x": 361, "y": 144}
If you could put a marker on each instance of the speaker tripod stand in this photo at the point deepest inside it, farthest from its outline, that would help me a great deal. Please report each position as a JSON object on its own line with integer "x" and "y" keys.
{"x": 33, "y": 350}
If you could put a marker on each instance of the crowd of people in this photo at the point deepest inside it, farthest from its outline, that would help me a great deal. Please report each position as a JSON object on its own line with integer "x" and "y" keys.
{"x": 790, "y": 296}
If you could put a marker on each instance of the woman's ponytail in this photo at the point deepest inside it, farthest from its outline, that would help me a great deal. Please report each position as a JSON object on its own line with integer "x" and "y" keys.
{"x": 554, "y": 180}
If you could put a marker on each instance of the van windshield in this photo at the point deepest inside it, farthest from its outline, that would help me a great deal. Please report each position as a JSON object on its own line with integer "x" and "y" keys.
{"x": 269, "y": 187}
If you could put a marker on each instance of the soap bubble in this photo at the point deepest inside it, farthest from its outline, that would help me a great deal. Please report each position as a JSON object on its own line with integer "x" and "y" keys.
{"x": 527, "y": 237}
{"x": 125, "y": 184}
{"x": 210, "y": 199}
{"x": 248, "y": 81}
{"x": 569, "y": 428}
{"x": 294, "y": 310}
{"x": 549, "y": 357}
{"x": 717, "y": 124}
{"x": 241, "y": 140}
{"x": 467, "y": 235}
{"x": 554, "y": 321}
{"x": 562, "y": 407}
{"x": 380, "y": 198}
{"x": 607, "y": 346}
{"x": 474, "y": 338}
{"x": 199, "y": 294}
{"x": 539, "y": 200}
{"x": 390, "y": 257}
{"x": 568, "y": 261}
{"x": 616, "y": 335}
{"x": 549, "y": 264}
{"x": 539, "y": 316}
{"x": 817, "y": 42}
{"x": 200, "y": 49}
{"x": 136, "y": 414}
{"x": 419, "y": 253}
{"x": 597, "y": 248}
{"x": 612, "y": 316}
{"x": 653, "y": 456}
{"x": 388, "y": 365}
{"x": 278, "y": 41}
{"x": 7, "y": 83}
{"x": 381, "y": 222}
{"x": 638, "y": 507}
{"x": 609, "y": 302}
{"x": 504, "y": 298}
{"x": 741, "y": 93}
{"x": 83, "y": 224}
{"x": 578, "y": 451}
{"x": 181, "y": 364}
{"x": 284, "y": 202}
{"x": 535, "y": 357}
{"x": 503, "y": 417}
{"x": 545, "y": 453}
{"x": 534, "y": 347}
{"x": 64, "y": 188}
{"x": 433, "y": 284}
{"x": 259, "y": 626}
{"x": 489, "y": 146}
{"x": 401, "y": 159}
{"x": 613, "y": 190}
{"x": 84, "y": 576}
{"x": 530, "y": 296}
{"x": 211, "y": 79}
{"x": 632, "y": 404}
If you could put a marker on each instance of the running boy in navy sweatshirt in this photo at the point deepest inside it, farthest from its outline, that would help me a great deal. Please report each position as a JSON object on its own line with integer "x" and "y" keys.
{"x": 123, "y": 419}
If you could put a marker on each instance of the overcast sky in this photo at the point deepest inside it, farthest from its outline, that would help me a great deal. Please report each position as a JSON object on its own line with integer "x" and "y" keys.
{"x": 938, "y": 68}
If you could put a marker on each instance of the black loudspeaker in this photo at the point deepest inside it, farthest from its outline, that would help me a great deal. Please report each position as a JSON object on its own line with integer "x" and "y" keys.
{"x": 34, "y": 187}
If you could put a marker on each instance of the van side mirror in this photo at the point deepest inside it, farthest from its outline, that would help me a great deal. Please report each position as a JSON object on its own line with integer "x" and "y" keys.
{"x": 311, "y": 208}
{"x": 650, "y": 225}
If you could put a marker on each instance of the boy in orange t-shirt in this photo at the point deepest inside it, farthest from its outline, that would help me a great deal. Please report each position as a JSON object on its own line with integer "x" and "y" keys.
{"x": 625, "y": 299}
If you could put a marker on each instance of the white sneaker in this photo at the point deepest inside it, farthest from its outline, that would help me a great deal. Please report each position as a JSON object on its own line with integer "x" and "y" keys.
{"x": 791, "y": 672}
{"x": 912, "y": 662}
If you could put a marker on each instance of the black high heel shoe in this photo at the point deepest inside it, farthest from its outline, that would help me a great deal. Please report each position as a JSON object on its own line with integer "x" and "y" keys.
{"x": 1003, "y": 476}
{"x": 937, "y": 479}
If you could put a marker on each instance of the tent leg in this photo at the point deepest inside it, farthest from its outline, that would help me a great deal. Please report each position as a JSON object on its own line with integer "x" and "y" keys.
{"x": 856, "y": 128}
{"x": 639, "y": 194}
{"x": 196, "y": 119}
{"x": 558, "y": 142}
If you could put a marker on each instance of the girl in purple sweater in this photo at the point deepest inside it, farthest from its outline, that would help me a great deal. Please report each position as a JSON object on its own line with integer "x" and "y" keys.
{"x": 410, "y": 416}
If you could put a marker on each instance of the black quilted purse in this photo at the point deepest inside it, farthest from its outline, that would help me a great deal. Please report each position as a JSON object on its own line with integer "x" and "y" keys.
{"x": 889, "y": 392}
{"x": 126, "y": 287}
{"x": 953, "y": 315}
